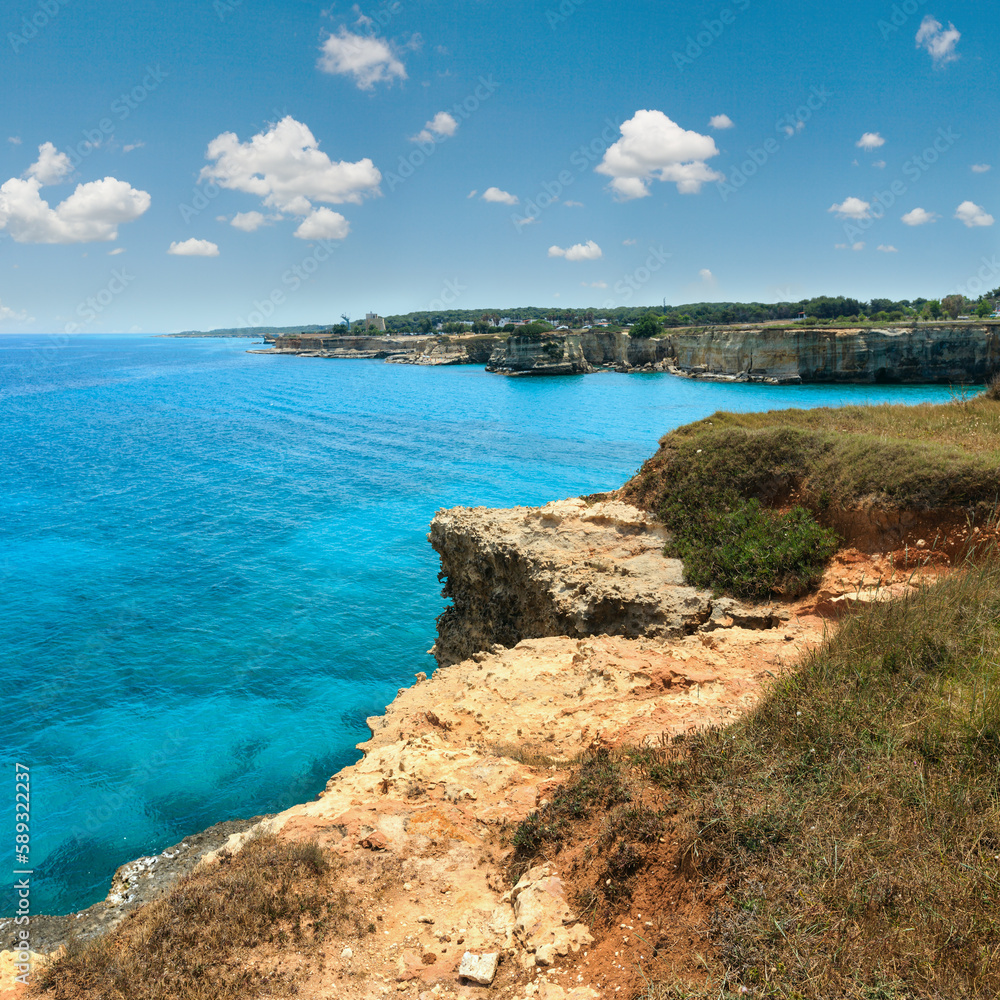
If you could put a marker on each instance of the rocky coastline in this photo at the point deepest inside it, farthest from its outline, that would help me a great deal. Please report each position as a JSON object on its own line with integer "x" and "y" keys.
{"x": 570, "y": 632}
{"x": 941, "y": 352}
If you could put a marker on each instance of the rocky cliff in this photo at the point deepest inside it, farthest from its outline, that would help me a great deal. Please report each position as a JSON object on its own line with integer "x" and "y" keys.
{"x": 572, "y": 568}
{"x": 423, "y": 350}
{"x": 943, "y": 352}
{"x": 958, "y": 352}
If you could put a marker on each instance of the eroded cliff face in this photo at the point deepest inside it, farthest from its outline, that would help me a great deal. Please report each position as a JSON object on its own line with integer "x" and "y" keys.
{"x": 944, "y": 352}
{"x": 579, "y": 353}
{"x": 570, "y": 568}
{"x": 938, "y": 353}
{"x": 429, "y": 350}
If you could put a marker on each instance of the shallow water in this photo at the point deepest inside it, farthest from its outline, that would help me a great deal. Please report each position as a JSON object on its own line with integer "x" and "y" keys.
{"x": 215, "y": 563}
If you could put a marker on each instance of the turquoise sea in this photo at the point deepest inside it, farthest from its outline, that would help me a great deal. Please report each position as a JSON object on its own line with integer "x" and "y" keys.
{"x": 215, "y": 567}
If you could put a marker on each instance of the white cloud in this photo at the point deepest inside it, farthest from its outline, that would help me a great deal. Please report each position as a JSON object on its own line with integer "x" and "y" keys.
{"x": 629, "y": 243}
{"x": 980, "y": 168}
{"x": 870, "y": 140}
{"x": 886, "y": 248}
{"x": 249, "y": 222}
{"x": 799, "y": 126}
{"x": 918, "y": 217}
{"x": 653, "y": 147}
{"x": 940, "y": 44}
{"x": 6, "y": 313}
{"x": 51, "y": 167}
{"x": 594, "y": 284}
{"x": 706, "y": 275}
{"x": 194, "y": 248}
{"x": 15, "y": 139}
{"x": 573, "y": 204}
{"x": 720, "y": 121}
{"x": 502, "y": 197}
{"x": 116, "y": 251}
{"x": 472, "y": 193}
{"x": 323, "y": 224}
{"x": 441, "y": 126}
{"x": 138, "y": 144}
{"x": 973, "y": 215}
{"x": 578, "y": 251}
{"x": 849, "y": 246}
{"x": 879, "y": 164}
{"x": 92, "y": 213}
{"x": 286, "y": 169}
{"x": 366, "y": 58}
{"x": 852, "y": 208}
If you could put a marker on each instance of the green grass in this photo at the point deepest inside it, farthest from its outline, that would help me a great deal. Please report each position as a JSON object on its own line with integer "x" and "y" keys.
{"x": 712, "y": 483}
{"x": 914, "y": 457}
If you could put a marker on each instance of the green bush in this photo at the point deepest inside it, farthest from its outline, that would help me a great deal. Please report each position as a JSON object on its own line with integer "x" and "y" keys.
{"x": 736, "y": 545}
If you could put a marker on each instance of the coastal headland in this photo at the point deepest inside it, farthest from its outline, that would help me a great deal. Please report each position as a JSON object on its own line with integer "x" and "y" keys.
{"x": 958, "y": 352}
{"x": 535, "y": 816}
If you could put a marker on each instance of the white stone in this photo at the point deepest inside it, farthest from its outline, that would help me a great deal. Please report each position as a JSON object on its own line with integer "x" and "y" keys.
{"x": 479, "y": 968}
{"x": 347, "y": 953}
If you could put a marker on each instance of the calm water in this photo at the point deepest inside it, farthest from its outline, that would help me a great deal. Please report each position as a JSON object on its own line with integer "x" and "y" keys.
{"x": 215, "y": 565}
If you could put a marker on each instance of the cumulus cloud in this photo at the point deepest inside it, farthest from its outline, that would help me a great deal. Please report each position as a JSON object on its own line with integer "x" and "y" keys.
{"x": 879, "y": 164}
{"x": 706, "y": 275}
{"x": 573, "y": 204}
{"x": 940, "y": 44}
{"x": 472, "y": 193}
{"x": 653, "y": 147}
{"x": 51, "y": 167}
{"x": 886, "y": 248}
{"x": 116, "y": 251}
{"x": 851, "y": 208}
{"x": 194, "y": 248}
{"x": 323, "y": 224}
{"x": 6, "y": 313}
{"x": 578, "y": 251}
{"x": 366, "y": 58}
{"x": 720, "y": 122}
{"x": 918, "y": 217}
{"x": 594, "y": 284}
{"x": 91, "y": 214}
{"x": 629, "y": 243}
{"x": 249, "y": 222}
{"x": 441, "y": 126}
{"x": 502, "y": 197}
{"x": 15, "y": 139}
{"x": 870, "y": 140}
{"x": 138, "y": 144}
{"x": 973, "y": 215}
{"x": 285, "y": 167}
{"x": 980, "y": 168}
{"x": 849, "y": 246}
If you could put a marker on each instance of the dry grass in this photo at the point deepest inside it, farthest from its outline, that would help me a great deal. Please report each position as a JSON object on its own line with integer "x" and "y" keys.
{"x": 220, "y": 934}
{"x": 918, "y": 457}
{"x": 855, "y": 815}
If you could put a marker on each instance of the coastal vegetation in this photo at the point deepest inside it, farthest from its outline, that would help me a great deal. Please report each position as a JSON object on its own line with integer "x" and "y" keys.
{"x": 724, "y": 485}
{"x": 844, "y": 836}
{"x": 220, "y": 933}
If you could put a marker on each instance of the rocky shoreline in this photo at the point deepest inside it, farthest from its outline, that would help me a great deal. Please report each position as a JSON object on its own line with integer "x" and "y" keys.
{"x": 571, "y": 632}
{"x": 943, "y": 352}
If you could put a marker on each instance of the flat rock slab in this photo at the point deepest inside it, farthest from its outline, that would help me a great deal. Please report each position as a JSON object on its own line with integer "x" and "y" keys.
{"x": 479, "y": 968}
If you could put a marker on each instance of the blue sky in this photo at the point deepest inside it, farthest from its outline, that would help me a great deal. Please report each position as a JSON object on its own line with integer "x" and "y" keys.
{"x": 216, "y": 163}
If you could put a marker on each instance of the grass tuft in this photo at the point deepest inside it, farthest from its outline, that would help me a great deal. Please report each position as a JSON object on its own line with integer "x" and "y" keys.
{"x": 214, "y": 935}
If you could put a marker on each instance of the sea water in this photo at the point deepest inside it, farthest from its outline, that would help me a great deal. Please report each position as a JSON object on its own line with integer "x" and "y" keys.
{"x": 215, "y": 564}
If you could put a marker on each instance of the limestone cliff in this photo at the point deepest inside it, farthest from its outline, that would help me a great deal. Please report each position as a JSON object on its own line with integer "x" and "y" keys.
{"x": 943, "y": 352}
{"x": 940, "y": 352}
{"x": 570, "y": 568}
{"x": 420, "y": 350}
